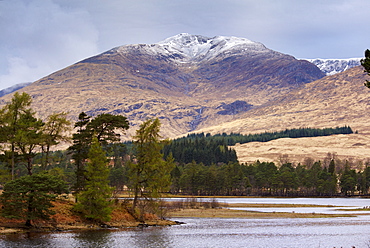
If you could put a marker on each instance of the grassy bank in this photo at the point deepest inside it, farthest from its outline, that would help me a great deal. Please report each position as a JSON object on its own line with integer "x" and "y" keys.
{"x": 230, "y": 213}
{"x": 66, "y": 219}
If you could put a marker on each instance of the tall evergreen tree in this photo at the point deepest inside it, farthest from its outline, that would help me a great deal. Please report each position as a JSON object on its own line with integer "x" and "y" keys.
{"x": 79, "y": 149}
{"x": 149, "y": 175}
{"x": 55, "y": 131}
{"x": 11, "y": 114}
{"x": 366, "y": 64}
{"x": 94, "y": 200}
{"x": 107, "y": 128}
{"x": 28, "y": 138}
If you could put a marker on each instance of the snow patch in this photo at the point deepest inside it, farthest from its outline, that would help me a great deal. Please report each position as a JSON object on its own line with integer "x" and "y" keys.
{"x": 185, "y": 48}
{"x": 333, "y": 66}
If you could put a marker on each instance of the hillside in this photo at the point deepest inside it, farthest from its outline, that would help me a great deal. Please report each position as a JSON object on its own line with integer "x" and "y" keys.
{"x": 187, "y": 81}
{"x": 341, "y": 99}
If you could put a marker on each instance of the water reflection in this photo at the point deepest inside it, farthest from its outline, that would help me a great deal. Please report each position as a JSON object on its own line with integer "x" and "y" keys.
{"x": 152, "y": 237}
{"x": 335, "y": 232}
{"x": 102, "y": 238}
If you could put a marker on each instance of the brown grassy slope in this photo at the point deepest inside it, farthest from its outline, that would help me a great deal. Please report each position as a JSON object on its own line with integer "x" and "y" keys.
{"x": 338, "y": 100}
{"x": 354, "y": 147}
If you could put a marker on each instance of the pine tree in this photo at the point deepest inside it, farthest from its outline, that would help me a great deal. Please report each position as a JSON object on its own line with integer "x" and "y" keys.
{"x": 11, "y": 115}
{"x": 80, "y": 149}
{"x": 150, "y": 174}
{"x": 106, "y": 127}
{"x": 55, "y": 130}
{"x": 366, "y": 64}
{"x": 94, "y": 200}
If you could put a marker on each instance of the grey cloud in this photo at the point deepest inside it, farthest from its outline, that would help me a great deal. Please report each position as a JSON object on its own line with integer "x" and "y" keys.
{"x": 42, "y": 37}
{"x": 45, "y": 35}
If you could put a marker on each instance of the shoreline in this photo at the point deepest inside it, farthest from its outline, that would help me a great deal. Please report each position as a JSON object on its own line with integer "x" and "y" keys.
{"x": 245, "y": 214}
{"x": 20, "y": 228}
{"x": 66, "y": 220}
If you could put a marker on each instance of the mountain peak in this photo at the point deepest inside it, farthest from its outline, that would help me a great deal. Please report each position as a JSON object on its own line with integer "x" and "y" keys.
{"x": 197, "y": 47}
{"x": 188, "y": 40}
{"x": 186, "y": 48}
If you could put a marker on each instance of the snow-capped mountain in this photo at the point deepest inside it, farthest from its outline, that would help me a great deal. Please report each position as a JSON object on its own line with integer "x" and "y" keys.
{"x": 187, "y": 81}
{"x": 196, "y": 48}
{"x": 333, "y": 66}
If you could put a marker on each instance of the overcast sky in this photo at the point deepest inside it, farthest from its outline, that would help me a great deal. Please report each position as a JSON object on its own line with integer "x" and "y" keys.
{"x": 39, "y": 37}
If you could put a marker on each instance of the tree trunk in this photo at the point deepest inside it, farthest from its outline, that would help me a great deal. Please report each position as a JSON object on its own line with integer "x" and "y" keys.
{"x": 47, "y": 157}
{"x": 29, "y": 166}
{"x": 13, "y": 160}
{"x": 134, "y": 203}
{"x": 29, "y": 210}
{"x": 28, "y": 223}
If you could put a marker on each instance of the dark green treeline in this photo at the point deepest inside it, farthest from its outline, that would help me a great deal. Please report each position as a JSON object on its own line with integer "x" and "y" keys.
{"x": 210, "y": 149}
{"x": 267, "y": 179}
{"x": 330, "y": 177}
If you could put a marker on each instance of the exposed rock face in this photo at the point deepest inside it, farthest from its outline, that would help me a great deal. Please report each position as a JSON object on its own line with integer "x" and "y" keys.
{"x": 234, "y": 108}
{"x": 188, "y": 82}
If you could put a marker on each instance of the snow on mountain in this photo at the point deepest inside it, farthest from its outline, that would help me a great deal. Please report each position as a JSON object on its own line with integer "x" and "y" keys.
{"x": 195, "y": 48}
{"x": 333, "y": 66}
{"x": 13, "y": 88}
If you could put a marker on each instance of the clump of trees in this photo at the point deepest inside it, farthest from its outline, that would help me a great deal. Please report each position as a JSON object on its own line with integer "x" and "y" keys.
{"x": 106, "y": 128}
{"x": 84, "y": 168}
{"x": 30, "y": 197}
{"x": 201, "y": 149}
{"x": 23, "y": 135}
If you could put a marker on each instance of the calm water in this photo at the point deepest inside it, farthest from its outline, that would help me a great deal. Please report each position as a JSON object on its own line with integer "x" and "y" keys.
{"x": 200, "y": 232}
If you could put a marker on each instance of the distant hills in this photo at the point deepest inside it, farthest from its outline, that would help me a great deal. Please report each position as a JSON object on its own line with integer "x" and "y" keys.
{"x": 334, "y": 66}
{"x": 13, "y": 88}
